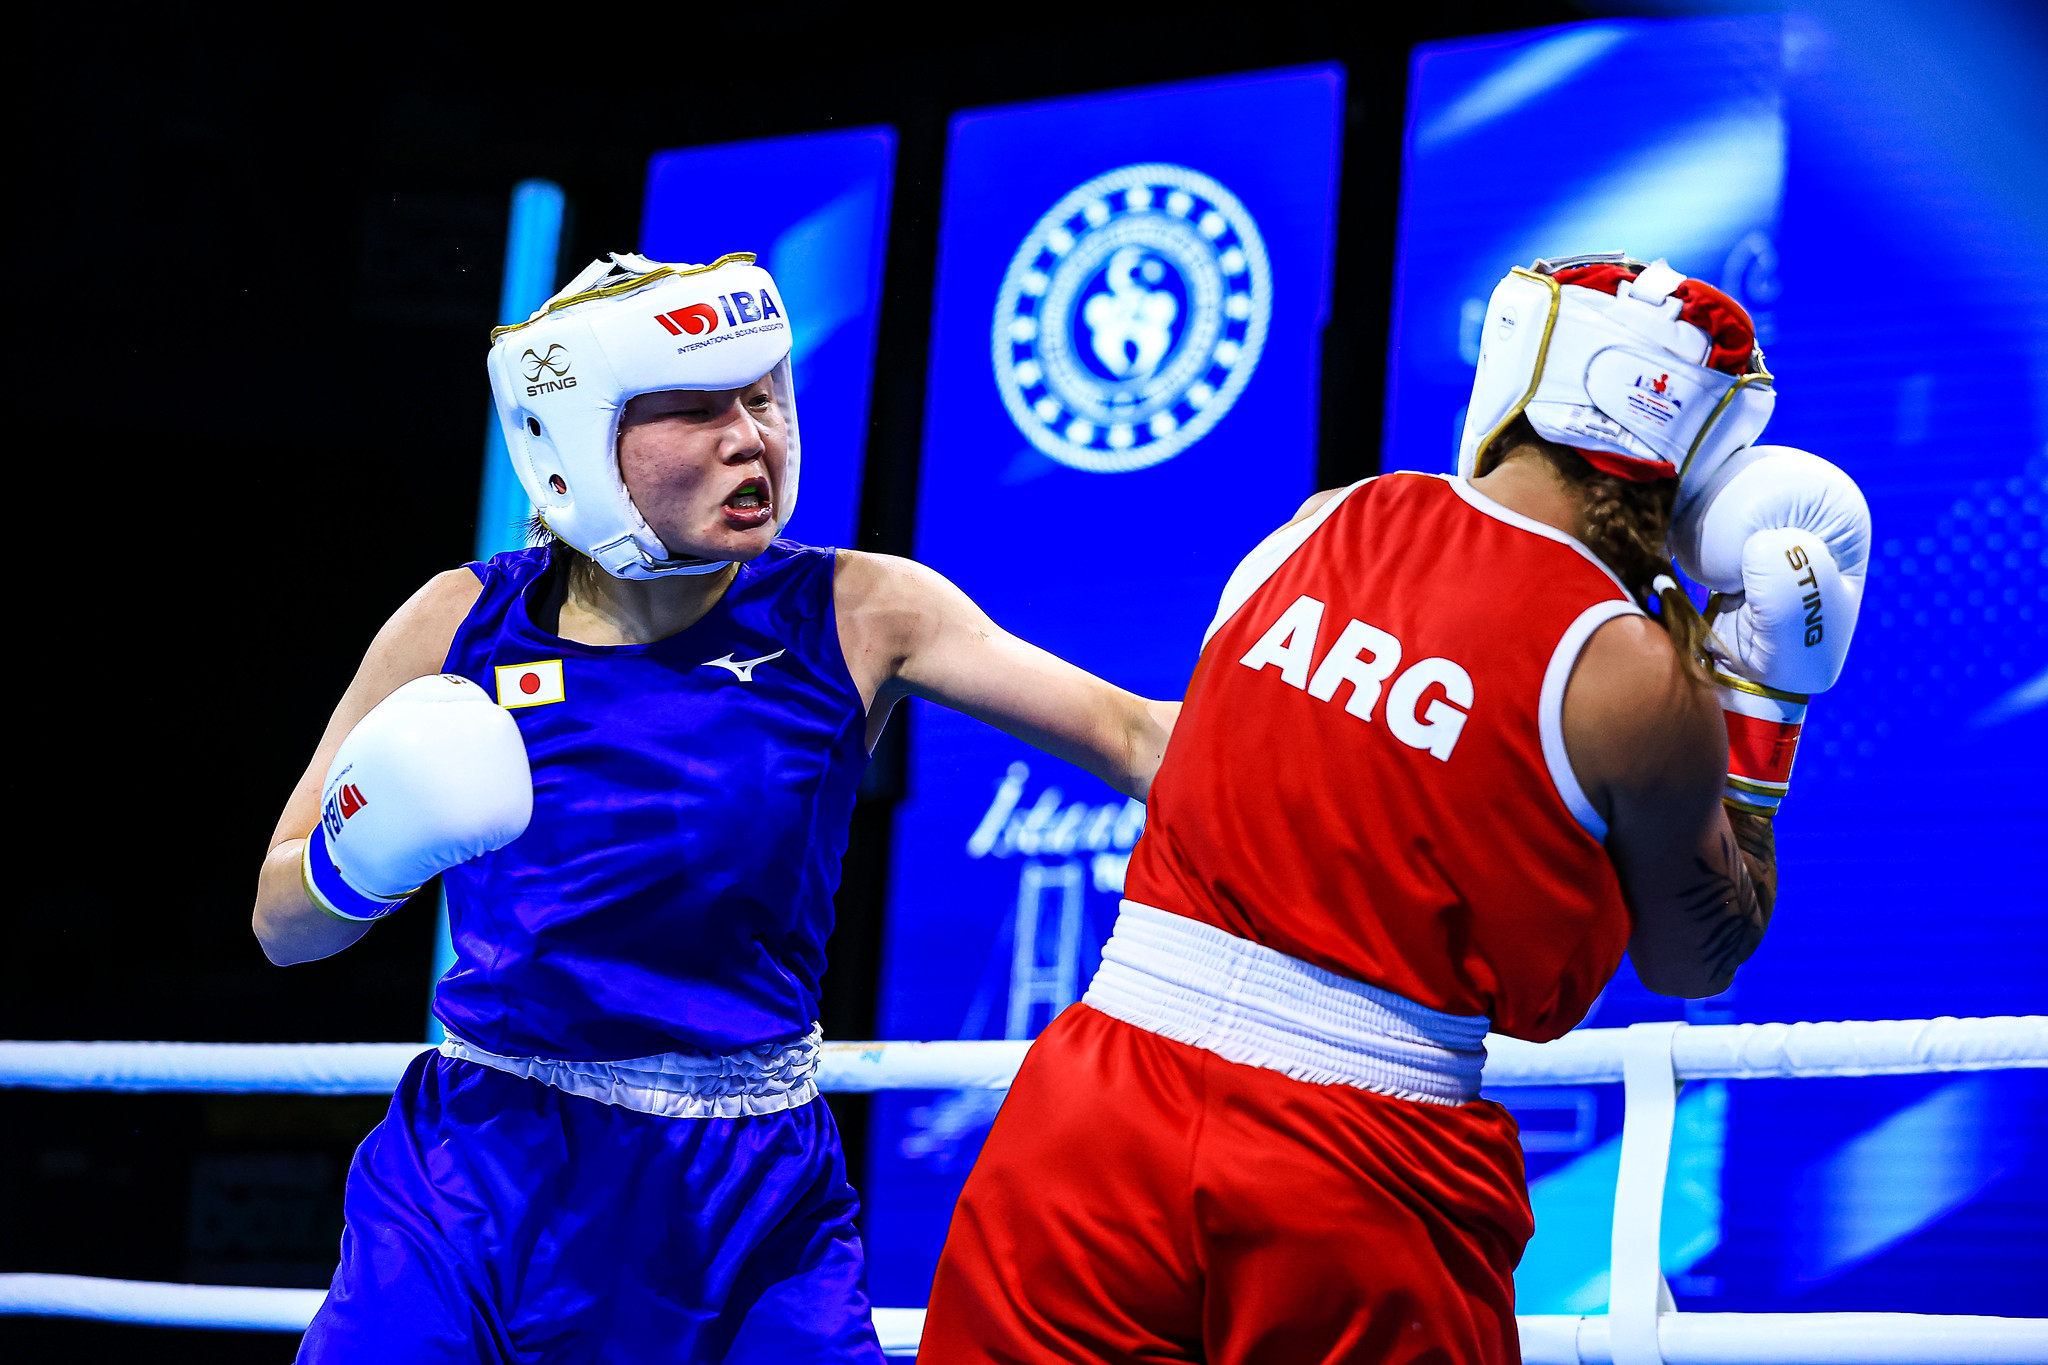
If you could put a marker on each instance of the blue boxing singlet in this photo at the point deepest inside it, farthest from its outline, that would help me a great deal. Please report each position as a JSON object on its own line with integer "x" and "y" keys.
{"x": 524, "y": 1200}
{"x": 691, "y": 799}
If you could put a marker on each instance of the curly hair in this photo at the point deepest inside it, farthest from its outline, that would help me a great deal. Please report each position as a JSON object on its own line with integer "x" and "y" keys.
{"x": 1625, "y": 523}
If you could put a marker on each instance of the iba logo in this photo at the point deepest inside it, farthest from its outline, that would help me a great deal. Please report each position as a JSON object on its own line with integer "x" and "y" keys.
{"x": 555, "y": 361}
{"x": 739, "y": 307}
{"x": 1131, "y": 318}
{"x": 342, "y": 802}
{"x": 695, "y": 320}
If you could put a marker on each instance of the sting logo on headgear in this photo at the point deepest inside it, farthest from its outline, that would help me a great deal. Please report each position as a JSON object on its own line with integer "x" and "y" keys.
{"x": 696, "y": 320}
{"x": 554, "y": 361}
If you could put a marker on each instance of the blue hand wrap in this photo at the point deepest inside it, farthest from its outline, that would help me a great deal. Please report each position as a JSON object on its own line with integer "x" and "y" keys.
{"x": 325, "y": 885}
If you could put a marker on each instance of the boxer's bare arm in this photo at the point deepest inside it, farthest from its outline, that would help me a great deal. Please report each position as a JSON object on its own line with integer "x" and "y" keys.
{"x": 413, "y": 644}
{"x": 1648, "y": 745}
{"x": 907, "y": 631}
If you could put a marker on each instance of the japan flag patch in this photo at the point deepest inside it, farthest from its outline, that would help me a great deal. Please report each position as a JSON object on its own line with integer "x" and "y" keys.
{"x": 534, "y": 684}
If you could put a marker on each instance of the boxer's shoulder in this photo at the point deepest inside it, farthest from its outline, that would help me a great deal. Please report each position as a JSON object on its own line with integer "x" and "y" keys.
{"x": 864, "y": 583}
{"x": 1631, "y": 660}
{"x": 884, "y": 603}
{"x": 450, "y": 587}
{"x": 416, "y": 640}
{"x": 1635, "y": 717}
{"x": 442, "y": 602}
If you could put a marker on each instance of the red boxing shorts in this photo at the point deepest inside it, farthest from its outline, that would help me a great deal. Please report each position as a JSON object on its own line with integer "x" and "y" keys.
{"x": 1140, "y": 1199}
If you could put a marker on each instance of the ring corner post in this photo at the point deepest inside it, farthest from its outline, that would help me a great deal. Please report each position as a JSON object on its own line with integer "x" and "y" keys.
{"x": 1638, "y": 1293}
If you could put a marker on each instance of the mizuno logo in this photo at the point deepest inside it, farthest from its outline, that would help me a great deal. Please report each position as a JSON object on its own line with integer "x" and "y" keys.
{"x": 743, "y": 669}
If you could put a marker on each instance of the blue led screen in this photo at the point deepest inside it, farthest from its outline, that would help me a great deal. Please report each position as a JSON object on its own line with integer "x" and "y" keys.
{"x": 1902, "y": 300}
{"x": 815, "y": 210}
{"x": 1122, "y": 401}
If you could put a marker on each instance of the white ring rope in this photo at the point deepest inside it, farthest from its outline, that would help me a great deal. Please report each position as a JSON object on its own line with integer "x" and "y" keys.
{"x": 1889, "y": 1047}
{"x": 148, "y": 1303}
{"x": 1586, "y": 1057}
{"x": 1687, "y": 1338}
{"x": 374, "y": 1068}
{"x": 1649, "y": 1058}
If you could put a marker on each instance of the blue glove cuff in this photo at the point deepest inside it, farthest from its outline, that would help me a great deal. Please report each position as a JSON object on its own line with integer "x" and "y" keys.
{"x": 325, "y": 885}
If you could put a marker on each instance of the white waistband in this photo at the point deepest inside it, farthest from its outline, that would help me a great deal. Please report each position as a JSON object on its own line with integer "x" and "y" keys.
{"x": 686, "y": 1085}
{"x": 1194, "y": 983}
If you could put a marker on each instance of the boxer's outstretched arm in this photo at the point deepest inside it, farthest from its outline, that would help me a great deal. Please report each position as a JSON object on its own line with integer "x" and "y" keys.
{"x": 413, "y": 644}
{"x": 1648, "y": 745}
{"x": 907, "y": 631}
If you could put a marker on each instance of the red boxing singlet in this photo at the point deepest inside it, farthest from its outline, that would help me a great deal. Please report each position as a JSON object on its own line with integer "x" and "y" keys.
{"x": 1369, "y": 772}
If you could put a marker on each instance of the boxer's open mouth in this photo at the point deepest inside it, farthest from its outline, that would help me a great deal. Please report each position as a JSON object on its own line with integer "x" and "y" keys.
{"x": 749, "y": 505}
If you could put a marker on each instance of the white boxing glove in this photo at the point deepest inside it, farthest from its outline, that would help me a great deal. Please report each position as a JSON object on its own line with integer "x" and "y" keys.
{"x": 434, "y": 775}
{"x": 1783, "y": 538}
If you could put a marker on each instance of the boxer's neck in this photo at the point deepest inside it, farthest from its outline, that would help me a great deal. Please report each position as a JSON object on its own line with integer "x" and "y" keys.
{"x": 1526, "y": 481}
{"x": 593, "y": 608}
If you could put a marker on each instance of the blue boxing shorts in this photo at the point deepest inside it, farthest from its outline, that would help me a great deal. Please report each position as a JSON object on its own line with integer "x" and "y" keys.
{"x": 494, "y": 1218}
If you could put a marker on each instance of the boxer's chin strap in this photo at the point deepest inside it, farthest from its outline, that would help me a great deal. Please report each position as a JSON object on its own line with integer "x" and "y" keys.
{"x": 623, "y": 558}
{"x": 688, "y": 568}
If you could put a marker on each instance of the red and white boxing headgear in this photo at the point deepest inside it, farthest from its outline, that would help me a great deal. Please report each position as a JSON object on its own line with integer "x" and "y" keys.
{"x": 624, "y": 327}
{"x": 1646, "y": 373}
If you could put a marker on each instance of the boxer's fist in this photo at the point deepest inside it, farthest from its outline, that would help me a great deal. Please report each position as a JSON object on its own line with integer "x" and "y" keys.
{"x": 433, "y": 776}
{"x": 1784, "y": 537}
{"x": 1796, "y": 612}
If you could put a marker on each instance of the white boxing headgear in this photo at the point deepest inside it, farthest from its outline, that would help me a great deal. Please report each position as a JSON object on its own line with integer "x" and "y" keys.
{"x": 1645, "y": 372}
{"x": 624, "y": 327}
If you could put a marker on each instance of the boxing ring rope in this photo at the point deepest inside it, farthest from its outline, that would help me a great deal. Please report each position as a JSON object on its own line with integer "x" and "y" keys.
{"x": 1650, "y": 1060}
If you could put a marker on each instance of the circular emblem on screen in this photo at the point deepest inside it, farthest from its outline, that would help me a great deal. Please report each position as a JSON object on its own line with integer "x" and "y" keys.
{"x": 1132, "y": 318}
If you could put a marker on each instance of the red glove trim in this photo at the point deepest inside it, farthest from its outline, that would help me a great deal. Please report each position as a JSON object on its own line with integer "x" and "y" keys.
{"x": 1763, "y": 739}
{"x": 1761, "y": 751}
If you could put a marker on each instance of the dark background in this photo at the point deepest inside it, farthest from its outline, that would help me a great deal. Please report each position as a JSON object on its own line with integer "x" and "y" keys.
{"x": 247, "y": 421}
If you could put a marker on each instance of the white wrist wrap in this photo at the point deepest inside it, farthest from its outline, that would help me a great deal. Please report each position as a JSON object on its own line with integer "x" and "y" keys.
{"x": 331, "y": 891}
